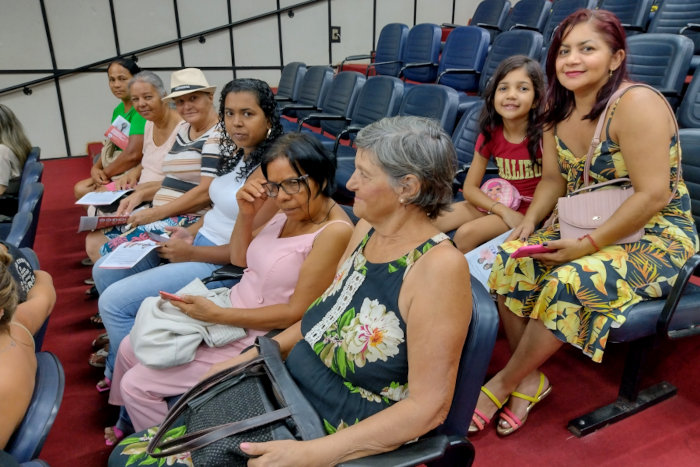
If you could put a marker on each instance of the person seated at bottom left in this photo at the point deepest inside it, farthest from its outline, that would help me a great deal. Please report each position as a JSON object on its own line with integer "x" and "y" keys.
{"x": 289, "y": 261}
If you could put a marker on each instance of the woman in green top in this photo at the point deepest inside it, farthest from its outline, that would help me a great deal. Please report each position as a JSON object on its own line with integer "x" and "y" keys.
{"x": 120, "y": 71}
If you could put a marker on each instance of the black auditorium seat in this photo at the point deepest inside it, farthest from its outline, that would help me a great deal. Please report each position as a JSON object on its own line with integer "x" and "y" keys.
{"x": 312, "y": 92}
{"x": 389, "y": 51}
{"x": 661, "y": 61}
{"x": 340, "y": 102}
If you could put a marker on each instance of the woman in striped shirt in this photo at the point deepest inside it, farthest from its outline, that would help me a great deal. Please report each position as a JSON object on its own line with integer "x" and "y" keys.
{"x": 189, "y": 168}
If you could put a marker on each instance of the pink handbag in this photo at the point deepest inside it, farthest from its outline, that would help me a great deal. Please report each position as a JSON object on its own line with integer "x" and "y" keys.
{"x": 502, "y": 191}
{"x": 581, "y": 214}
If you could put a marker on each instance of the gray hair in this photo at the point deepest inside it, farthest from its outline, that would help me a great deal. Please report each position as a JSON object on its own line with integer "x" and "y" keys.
{"x": 414, "y": 146}
{"x": 150, "y": 78}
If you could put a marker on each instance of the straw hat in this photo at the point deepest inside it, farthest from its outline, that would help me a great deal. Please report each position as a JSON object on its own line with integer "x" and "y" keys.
{"x": 187, "y": 81}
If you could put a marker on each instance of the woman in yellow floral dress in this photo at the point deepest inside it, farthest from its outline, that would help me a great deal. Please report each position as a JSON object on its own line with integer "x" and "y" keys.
{"x": 576, "y": 293}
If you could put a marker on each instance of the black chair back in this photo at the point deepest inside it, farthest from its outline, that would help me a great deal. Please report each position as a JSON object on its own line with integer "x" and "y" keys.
{"x": 422, "y": 46}
{"x": 314, "y": 89}
{"x": 464, "y": 137}
{"x": 390, "y": 48}
{"x": 562, "y": 9}
{"x": 492, "y": 15}
{"x": 341, "y": 98}
{"x": 529, "y": 14}
{"x": 466, "y": 48}
{"x": 476, "y": 355}
{"x": 31, "y": 173}
{"x": 380, "y": 97}
{"x": 290, "y": 81}
{"x": 633, "y": 14}
{"x": 21, "y": 225}
{"x": 507, "y": 44}
{"x": 28, "y": 439}
{"x": 432, "y": 101}
{"x": 30, "y": 201}
{"x": 34, "y": 155}
{"x": 690, "y": 144}
{"x": 674, "y": 15}
{"x": 661, "y": 61}
{"x": 689, "y": 111}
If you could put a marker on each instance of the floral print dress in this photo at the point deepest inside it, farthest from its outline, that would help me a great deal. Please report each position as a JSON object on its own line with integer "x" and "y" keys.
{"x": 353, "y": 361}
{"x": 358, "y": 365}
{"x": 580, "y": 301}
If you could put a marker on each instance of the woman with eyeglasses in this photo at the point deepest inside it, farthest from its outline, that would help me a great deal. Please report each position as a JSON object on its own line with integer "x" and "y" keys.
{"x": 289, "y": 262}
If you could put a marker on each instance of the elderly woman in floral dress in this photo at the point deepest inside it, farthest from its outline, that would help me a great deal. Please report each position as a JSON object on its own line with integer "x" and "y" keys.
{"x": 380, "y": 328}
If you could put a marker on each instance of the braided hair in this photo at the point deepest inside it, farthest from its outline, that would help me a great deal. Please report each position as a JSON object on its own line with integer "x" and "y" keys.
{"x": 231, "y": 155}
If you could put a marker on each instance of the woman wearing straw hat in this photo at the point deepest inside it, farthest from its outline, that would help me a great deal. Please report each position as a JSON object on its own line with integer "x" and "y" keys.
{"x": 189, "y": 169}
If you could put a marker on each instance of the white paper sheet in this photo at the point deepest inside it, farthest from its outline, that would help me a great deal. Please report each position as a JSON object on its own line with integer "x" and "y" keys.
{"x": 128, "y": 254}
{"x": 101, "y": 198}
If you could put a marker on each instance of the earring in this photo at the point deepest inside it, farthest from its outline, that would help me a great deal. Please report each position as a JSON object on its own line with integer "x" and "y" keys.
{"x": 269, "y": 130}
{"x": 611, "y": 73}
{"x": 401, "y": 201}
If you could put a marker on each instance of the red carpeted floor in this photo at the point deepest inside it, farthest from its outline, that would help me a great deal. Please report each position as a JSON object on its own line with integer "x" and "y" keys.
{"x": 665, "y": 435}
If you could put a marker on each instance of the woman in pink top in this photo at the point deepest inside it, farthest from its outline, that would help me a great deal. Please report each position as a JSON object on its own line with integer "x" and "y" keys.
{"x": 290, "y": 261}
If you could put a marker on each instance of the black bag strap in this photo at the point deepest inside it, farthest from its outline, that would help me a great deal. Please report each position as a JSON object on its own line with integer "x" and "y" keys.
{"x": 199, "y": 389}
{"x": 269, "y": 350}
{"x": 207, "y": 436}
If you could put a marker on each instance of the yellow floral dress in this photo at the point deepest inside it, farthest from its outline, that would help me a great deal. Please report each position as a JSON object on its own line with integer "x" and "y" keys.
{"x": 580, "y": 301}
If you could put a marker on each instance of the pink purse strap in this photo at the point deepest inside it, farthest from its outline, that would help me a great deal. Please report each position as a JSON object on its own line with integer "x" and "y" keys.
{"x": 596, "y": 141}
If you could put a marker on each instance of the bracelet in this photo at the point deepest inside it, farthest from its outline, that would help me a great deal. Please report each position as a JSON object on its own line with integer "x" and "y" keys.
{"x": 491, "y": 208}
{"x": 590, "y": 239}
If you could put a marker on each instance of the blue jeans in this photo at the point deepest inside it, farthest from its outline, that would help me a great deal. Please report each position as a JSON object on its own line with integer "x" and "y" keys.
{"x": 123, "y": 290}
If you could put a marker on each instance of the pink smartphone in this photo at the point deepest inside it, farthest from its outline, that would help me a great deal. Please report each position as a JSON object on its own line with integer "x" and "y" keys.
{"x": 169, "y": 296}
{"x": 530, "y": 250}
{"x": 110, "y": 186}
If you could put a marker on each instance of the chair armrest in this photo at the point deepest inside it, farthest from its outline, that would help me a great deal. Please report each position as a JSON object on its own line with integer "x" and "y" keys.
{"x": 525, "y": 26}
{"x": 282, "y": 99}
{"x": 319, "y": 117}
{"x": 459, "y": 71}
{"x": 456, "y": 184}
{"x": 416, "y": 65}
{"x": 230, "y": 271}
{"x": 450, "y": 25}
{"x": 422, "y": 451}
{"x": 380, "y": 63}
{"x": 346, "y": 131}
{"x": 694, "y": 27}
{"x": 297, "y": 107}
{"x": 8, "y": 196}
{"x": 666, "y": 316}
{"x": 490, "y": 170}
{"x": 488, "y": 26}
{"x": 631, "y": 27}
{"x": 670, "y": 93}
{"x": 353, "y": 58}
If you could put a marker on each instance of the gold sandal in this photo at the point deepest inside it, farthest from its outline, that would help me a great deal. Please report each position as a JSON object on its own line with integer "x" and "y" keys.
{"x": 508, "y": 415}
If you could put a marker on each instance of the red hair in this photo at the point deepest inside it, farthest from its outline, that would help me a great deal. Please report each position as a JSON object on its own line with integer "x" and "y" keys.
{"x": 560, "y": 101}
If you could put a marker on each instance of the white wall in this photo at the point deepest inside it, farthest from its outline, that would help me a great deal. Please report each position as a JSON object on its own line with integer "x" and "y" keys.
{"x": 82, "y": 33}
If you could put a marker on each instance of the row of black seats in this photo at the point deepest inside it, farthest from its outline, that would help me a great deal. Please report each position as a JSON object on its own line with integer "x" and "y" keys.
{"x": 342, "y": 104}
{"x": 636, "y": 16}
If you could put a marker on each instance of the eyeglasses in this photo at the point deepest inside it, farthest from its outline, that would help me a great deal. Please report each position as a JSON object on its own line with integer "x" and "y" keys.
{"x": 290, "y": 186}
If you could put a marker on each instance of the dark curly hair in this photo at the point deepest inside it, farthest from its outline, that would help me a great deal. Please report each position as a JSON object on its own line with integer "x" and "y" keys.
{"x": 231, "y": 155}
{"x": 490, "y": 119}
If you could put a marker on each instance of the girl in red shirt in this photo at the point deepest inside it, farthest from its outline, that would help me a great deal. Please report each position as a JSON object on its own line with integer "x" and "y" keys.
{"x": 511, "y": 134}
